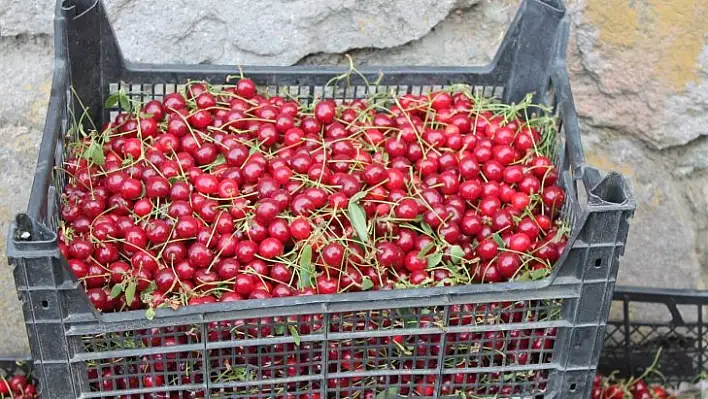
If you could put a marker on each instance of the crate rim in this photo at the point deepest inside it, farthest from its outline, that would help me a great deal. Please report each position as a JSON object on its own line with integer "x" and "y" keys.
{"x": 684, "y": 296}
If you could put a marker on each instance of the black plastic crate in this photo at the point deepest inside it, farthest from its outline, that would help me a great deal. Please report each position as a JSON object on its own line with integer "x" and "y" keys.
{"x": 248, "y": 349}
{"x": 672, "y": 320}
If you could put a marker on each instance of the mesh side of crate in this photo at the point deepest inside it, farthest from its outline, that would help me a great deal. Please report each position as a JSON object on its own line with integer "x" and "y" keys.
{"x": 631, "y": 344}
{"x": 469, "y": 348}
{"x": 142, "y": 92}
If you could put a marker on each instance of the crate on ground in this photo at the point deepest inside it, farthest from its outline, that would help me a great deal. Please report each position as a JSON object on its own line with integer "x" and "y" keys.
{"x": 645, "y": 320}
{"x": 385, "y": 343}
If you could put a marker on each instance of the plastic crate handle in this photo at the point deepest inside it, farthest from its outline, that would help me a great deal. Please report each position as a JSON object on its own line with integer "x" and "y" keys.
{"x": 534, "y": 45}
{"x": 671, "y": 298}
{"x": 38, "y": 206}
{"x": 559, "y": 86}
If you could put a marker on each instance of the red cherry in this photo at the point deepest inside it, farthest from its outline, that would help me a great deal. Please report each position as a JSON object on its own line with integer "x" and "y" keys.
{"x": 173, "y": 101}
{"x": 333, "y": 254}
{"x": 300, "y": 228}
{"x": 519, "y": 201}
{"x": 407, "y": 209}
{"x": 553, "y": 196}
{"x": 199, "y": 255}
{"x": 280, "y": 272}
{"x": 246, "y": 251}
{"x": 508, "y": 264}
{"x": 205, "y": 100}
{"x": 325, "y": 111}
{"x": 519, "y": 242}
{"x": 244, "y": 284}
{"x": 412, "y": 262}
{"x": 470, "y": 190}
{"x": 487, "y": 249}
{"x": 326, "y": 285}
{"x": 489, "y": 205}
{"x": 491, "y": 274}
{"x": 267, "y": 210}
{"x": 388, "y": 254}
{"x": 200, "y": 119}
{"x": 270, "y": 248}
{"x": 206, "y": 184}
{"x": 245, "y": 88}
{"x": 131, "y": 189}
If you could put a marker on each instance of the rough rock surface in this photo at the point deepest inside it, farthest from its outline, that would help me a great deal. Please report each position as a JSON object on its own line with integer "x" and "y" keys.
{"x": 639, "y": 72}
{"x": 26, "y": 17}
{"x": 466, "y": 37}
{"x": 247, "y": 32}
{"x": 26, "y": 65}
{"x": 647, "y": 63}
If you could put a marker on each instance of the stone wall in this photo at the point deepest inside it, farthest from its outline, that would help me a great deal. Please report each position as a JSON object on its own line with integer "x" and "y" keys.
{"x": 639, "y": 71}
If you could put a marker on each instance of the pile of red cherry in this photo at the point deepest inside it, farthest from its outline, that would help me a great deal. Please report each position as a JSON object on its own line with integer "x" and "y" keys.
{"x": 635, "y": 388}
{"x": 225, "y": 194}
{"x": 17, "y": 386}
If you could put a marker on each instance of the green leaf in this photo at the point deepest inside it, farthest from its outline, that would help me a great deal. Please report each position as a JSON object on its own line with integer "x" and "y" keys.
{"x": 358, "y": 219}
{"x": 452, "y": 268}
{"x": 538, "y": 274}
{"x": 305, "y": 280}
{"x": 408, "y": 316}
{"x": 389, "y": 393}
{"x": 295, "y": 334}
{"x": 98, "y": 157}
{"x": 112, "y": 100}
{"x": 280, "y": 329}
{"x": 457, "y": 253}
{"x": 306, "y": 256}
{"x": 219, "y": 160}
{"x": 434, "y": 259}
{"x": 427, "y": 229}
{"x": 424, "y": 251}
{"x": 130, "y": 292}
{"x": 149, "y": 290}
{"x": 525, "y": 276}
{"x": 116, "y": 290}
{"x": 357, "y": 197}
{"x": 405, "y": 312}
{"x": 94, "y": 153}
{"x": 124, "y": 101}
{"x": 366, "y": 284}
{"x": 241, "y": 372}
{"x": 497, "y": 238}
{"x": 150, "y": 313}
